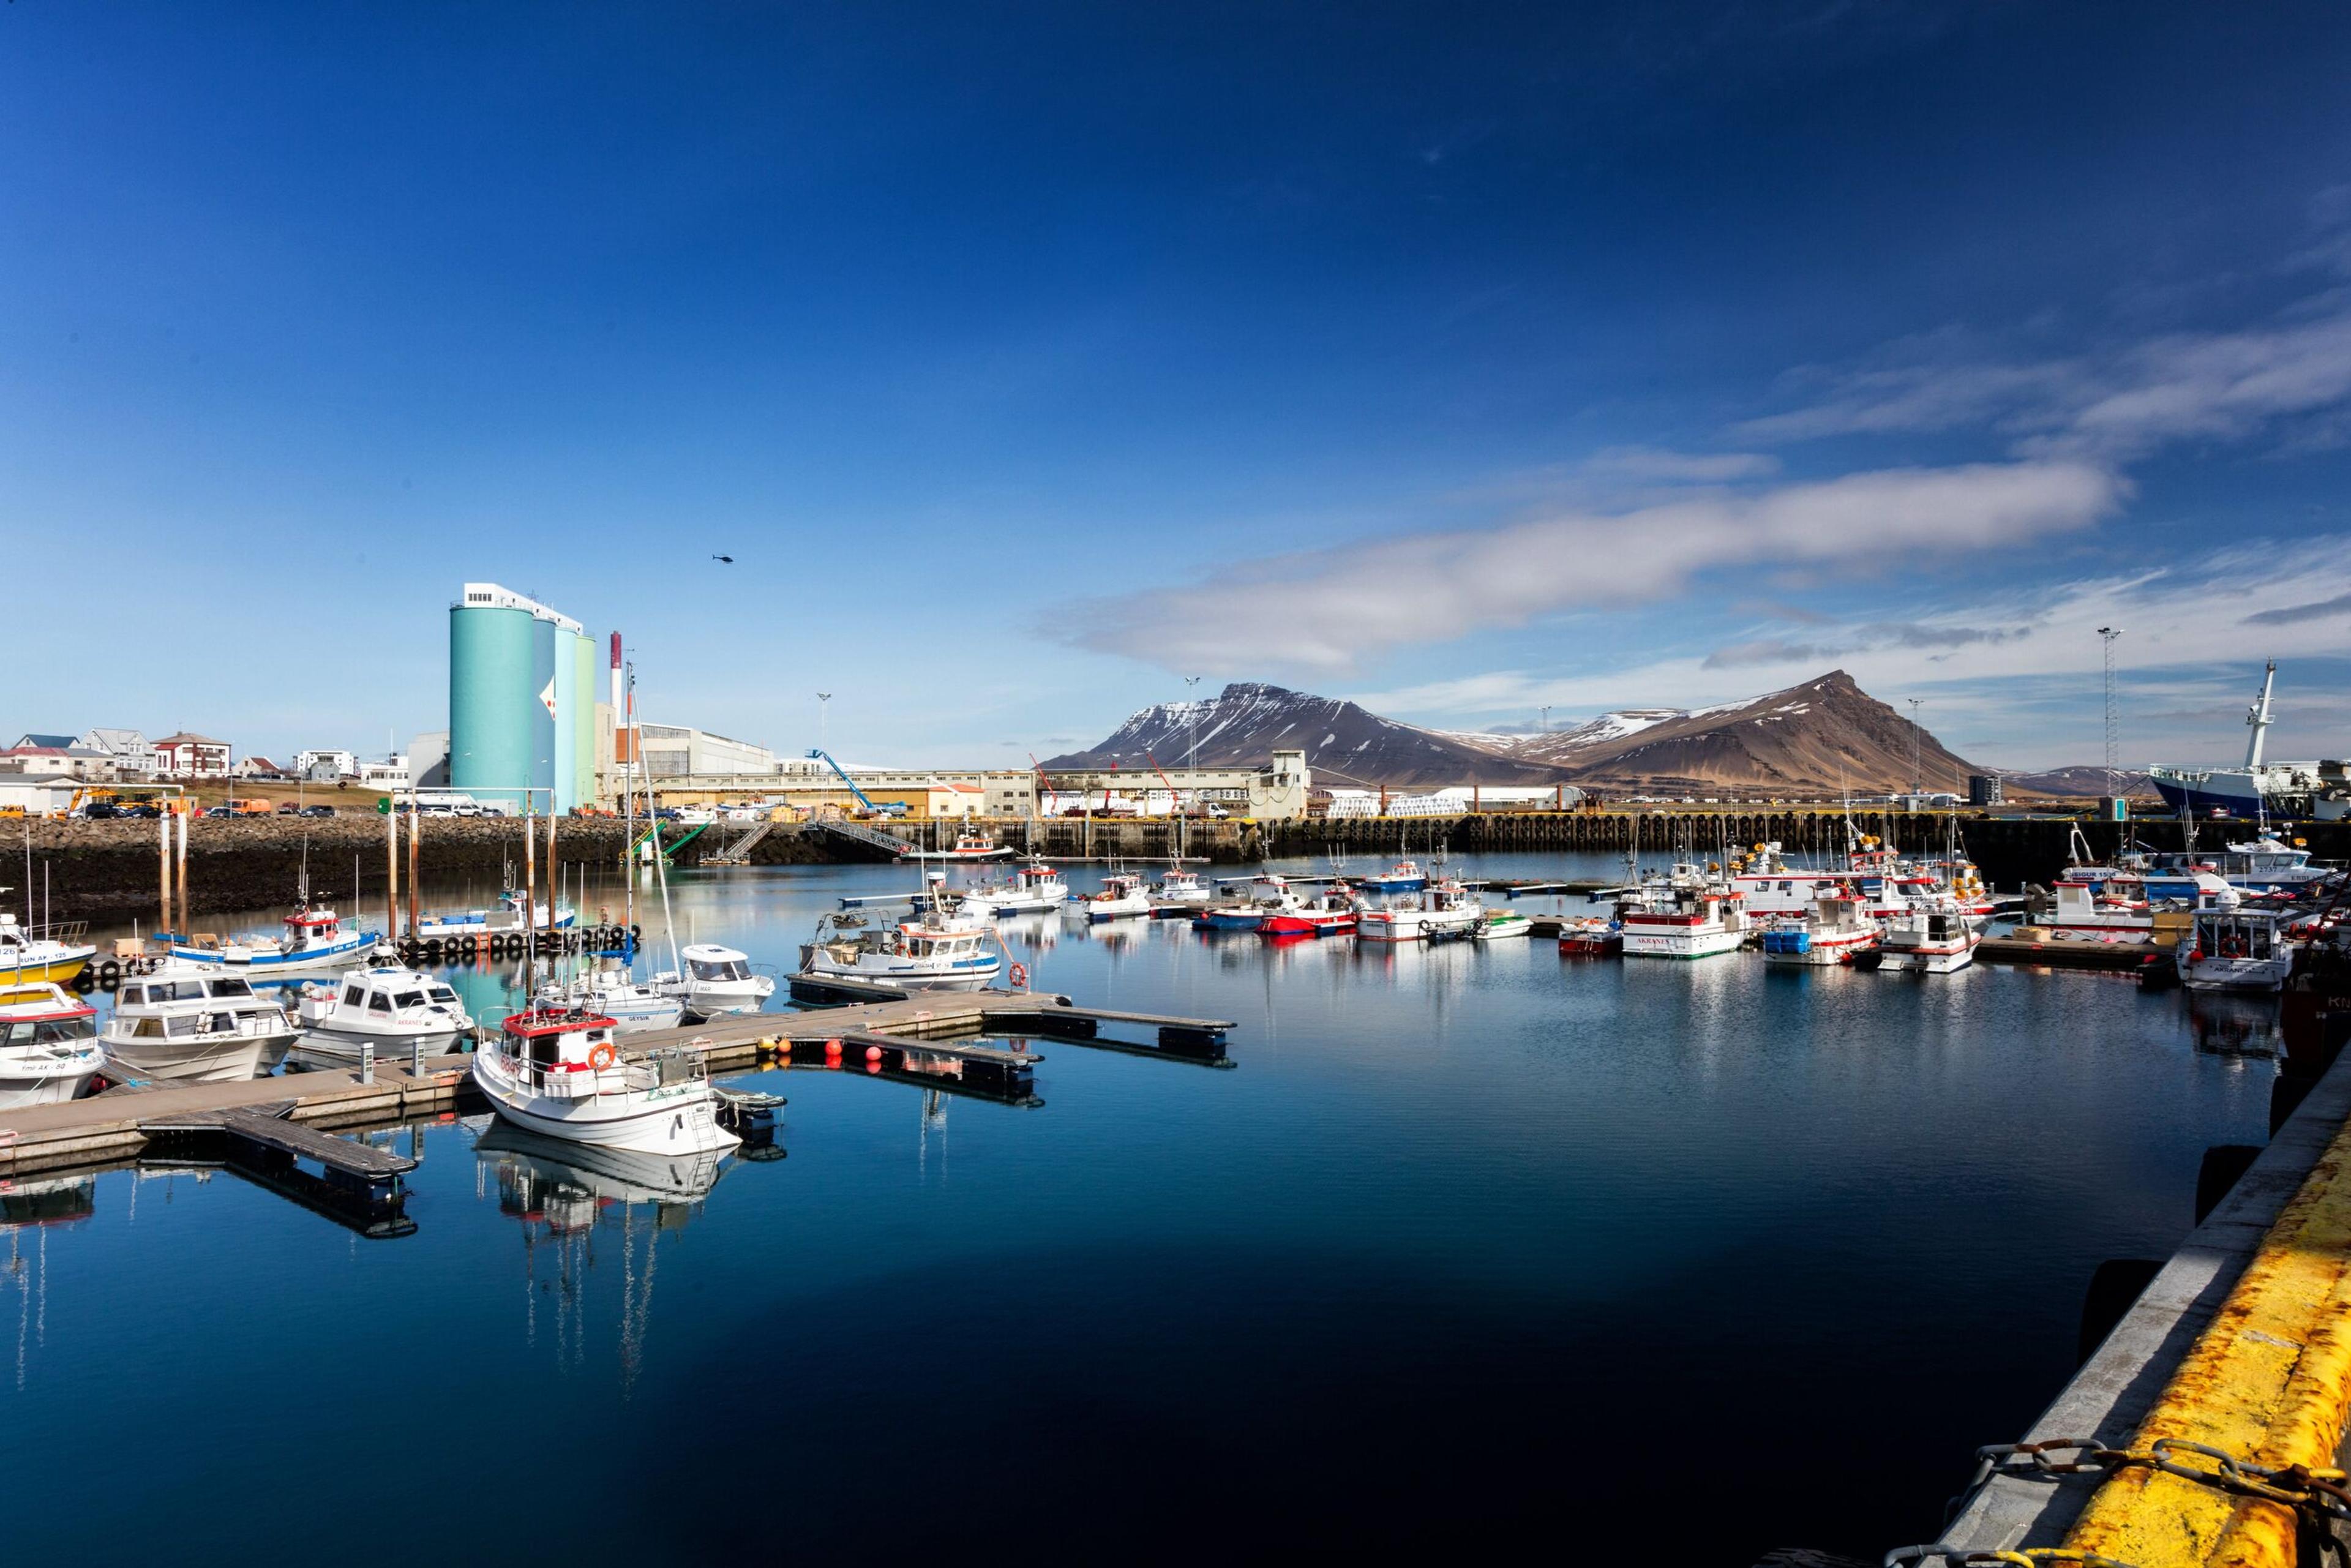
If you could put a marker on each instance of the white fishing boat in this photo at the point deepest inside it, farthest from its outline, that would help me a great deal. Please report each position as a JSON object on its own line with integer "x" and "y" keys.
{"x": 315, "y": 938}
{"x": 1121, "y": 896}
{"x": 1933, "y": 936}
{"x": 967, "y": 847}
{"x": 935, "y": 951}
{"x": 558, "y": 1072}
{"x": 1502, "y": 926}
{"x": 44, "y": 954}
{"x": 512, "y": 914}
{"x": 1838, "y": 930}
{"x": 186, "y": 1023}
{"x": 1267, "y": 895}
{"x": 1177, "y": 886}
{"x": 608, "y": 986}
{"x": 1450, "y": 912}
{"x": 394, "y": 1009}
{"x": 2236, "y": 949}
{"x": 1035, "y": 886}
{"x": 716, "y": 980}
{"x": 49, "y": 1045}
{"x": 1680, "y": 919}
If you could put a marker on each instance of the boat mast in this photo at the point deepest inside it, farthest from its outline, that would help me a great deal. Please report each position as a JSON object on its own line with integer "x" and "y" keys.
{"x": 629, "y": 815}
{"x": 2258, "y": 716}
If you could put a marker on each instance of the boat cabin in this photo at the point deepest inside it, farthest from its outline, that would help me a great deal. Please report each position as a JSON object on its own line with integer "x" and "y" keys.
{"x": 716, "y": 964}
{"x": 387, "y": 993}
{"x": 46, "y": 1016}
{"x": 927, "y": 942}
{"x": 555, "y": 1039}
{"x": 2235, "y": 934}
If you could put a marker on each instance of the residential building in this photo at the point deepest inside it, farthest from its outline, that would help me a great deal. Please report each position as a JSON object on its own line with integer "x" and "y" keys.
{"x": 326, "y": 767}
{"x": 59, "y": 762}
{"x": 133, "y": 754}
{"x": 390, "y": 774}
{"x": 190, "y": 756}
{"x": 255, "y": 767}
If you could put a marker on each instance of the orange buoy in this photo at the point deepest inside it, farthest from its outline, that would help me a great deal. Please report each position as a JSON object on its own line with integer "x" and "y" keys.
{"x": 874, "y": 1053}
{"x": 832, "y": 1051}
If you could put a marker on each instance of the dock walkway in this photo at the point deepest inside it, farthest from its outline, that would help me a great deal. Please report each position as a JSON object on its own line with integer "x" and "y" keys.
{"x": 909, "y": 1030}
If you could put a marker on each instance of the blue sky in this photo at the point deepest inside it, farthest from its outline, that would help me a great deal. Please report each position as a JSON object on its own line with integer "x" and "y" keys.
{"x": 1461, "y": 359}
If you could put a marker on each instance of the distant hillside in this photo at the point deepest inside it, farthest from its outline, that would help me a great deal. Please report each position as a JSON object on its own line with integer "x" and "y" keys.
{"x": 1818, "y": 738}
{"x": 2080, "y": 781}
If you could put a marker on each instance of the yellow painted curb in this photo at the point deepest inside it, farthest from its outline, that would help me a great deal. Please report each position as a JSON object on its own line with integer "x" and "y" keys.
{"x": 2268, "y": 1380}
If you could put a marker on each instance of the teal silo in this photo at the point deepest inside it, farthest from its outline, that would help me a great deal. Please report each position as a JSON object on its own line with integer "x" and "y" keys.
{"x": 491, "y": 699}
{"x": 544, "y": 694}
{"x": 567, "y": 700}
{"x": 583, "y": 720}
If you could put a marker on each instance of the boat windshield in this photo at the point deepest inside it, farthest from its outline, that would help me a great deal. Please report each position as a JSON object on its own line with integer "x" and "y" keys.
{"x": 46, "y": 1032}
{"x": 718, "y": 969}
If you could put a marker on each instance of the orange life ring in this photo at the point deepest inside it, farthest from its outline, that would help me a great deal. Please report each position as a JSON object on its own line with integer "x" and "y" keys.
{"x": 602, "y": 1056}
{"x": 1020, "y": 975}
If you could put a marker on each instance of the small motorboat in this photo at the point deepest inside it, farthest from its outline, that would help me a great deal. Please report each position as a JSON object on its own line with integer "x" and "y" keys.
{"x": 608, "y": 986}
{"x": 936, "y": 951}
{"x": 1331, "y": 914}
{"x": 717, "y": 980}
{"x": 1398, "y": 920}
{"x": 1121, "y": 896}
{"x": 49, "y": 1045}
{"x": 1404, "y": 876}
{"x": 1592, "y": 937}
{"x": 967, "y": 847}
{"x": 558, "y": 1072}
{"x": 41, "y": 955}
{"x": 315, "y": 938}
{"x": 1502, "y": 925}
{"x": 397, "y": 1010}
{"x": 185, "y": 1023}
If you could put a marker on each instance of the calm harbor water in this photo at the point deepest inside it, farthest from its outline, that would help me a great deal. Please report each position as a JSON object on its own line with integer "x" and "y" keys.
{"x": 1692, "y": 1259}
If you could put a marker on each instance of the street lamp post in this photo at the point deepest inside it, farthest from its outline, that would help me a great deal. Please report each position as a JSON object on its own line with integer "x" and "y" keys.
{"x": 822, "y": 700}
{"x": 1191, "y": 756}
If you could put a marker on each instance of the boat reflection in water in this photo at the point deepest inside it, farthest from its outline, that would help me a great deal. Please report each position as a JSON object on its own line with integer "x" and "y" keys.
{"x": 2229, "y": 1024}
{"x": 561, "y": 1193}
{"x": 29, "y": 1209}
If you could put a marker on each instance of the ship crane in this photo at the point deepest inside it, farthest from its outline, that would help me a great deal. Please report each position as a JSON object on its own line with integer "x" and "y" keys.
{"x": 2258, "y": 716}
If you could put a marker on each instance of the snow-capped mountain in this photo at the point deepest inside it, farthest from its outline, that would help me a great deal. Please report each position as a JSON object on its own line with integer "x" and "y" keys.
{"x": 1824, "y": 735}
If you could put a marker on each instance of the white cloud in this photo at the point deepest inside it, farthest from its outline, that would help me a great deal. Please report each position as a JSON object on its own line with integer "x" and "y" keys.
{"x": 1327, "y": 609}
{"x": 1653, "y": 463}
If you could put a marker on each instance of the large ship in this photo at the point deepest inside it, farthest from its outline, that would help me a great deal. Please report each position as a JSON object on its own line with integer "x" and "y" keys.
{"x": 2313, "y": 791}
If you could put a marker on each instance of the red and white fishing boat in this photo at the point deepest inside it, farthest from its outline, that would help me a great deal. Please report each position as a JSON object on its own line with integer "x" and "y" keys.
{"x": 1677, "y": 920}
{"x": 560, "y": 1073}
{"x": 1838, "y": 930}
{"x": 1934, "y": 936}
{"x": 48, "y": 1046}
{"x": 1330, "y": 914}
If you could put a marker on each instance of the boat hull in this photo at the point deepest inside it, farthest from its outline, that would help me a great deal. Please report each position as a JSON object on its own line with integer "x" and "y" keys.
{"x": 1229, "y": 920}
{"x": 1684, "y": 944}
{"x": 58, "y": 969}
{"x": 684, "y": 1123}
{"x": 46, "y": 1080}
{"x": 225, "y": 1060}
{"x": 323, "y": 1049}
{"x": 1505, "y": 928}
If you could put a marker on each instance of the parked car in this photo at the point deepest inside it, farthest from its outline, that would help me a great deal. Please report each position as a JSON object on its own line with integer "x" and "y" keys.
{"x": 289, "y": 808}
{"x": 317, "y": 811}
{"x": 101, "y": 810}
{"x": 222, "y": 811}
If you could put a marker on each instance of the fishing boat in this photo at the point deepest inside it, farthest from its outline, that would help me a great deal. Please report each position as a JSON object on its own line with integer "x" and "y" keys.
{"x": 512, "y": 914}
{"x": 1502, "y": 926}
{"x": 187, "y": 1023}
{"x": 1933, "y": 936}
{"x": 609, "y": 986}
{"x": 1035, "y": 886}
{"x": 45, "y": 954}
{"x": 1674, "y": 919}
{"x": 1179, "y": 886}
{"x": 1592, "y": 937}
{"x": 49, "y": 1045}
{"x": 967, "y": 847}
{"x": 935, "y": 951}
{"x": 1450, "y": 912}
{"x": 1838, "y": 930}
{"x": 396, "y": 1010}
{"x": 2236, "y": 949}
{"x": 1122, "y": 895}
{"x": 558, "y": 1072}
{"x": 1330, "y": 914}
{"x": 1267, "y": 895}
{"x": 2318, "y": 790}
{"x": 1404, "y": 876}
{"x": 716, "y": 980}
{"x": 315, "y": 938}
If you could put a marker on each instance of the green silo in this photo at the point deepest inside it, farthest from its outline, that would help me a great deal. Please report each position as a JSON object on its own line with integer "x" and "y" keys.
{"x": 491, "y": 698}
{"x": 582, "y": 718}
{"x": 567, "y": 699}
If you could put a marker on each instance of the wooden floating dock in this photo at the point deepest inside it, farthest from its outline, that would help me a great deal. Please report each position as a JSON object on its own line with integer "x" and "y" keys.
{"x": 2113, "y": 957}
{"x": 354, "y": 1183}
{"x": 280, "y": 1121}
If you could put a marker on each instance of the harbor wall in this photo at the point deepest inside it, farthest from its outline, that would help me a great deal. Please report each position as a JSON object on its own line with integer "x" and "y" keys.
{"x": 107, "y": 870}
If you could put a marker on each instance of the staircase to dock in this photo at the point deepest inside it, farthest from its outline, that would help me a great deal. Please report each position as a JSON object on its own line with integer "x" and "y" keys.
{"x": 739, "y": 851}
{"x": 896, "y": 846}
